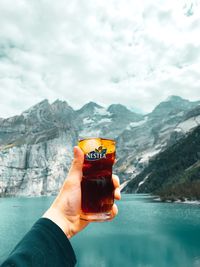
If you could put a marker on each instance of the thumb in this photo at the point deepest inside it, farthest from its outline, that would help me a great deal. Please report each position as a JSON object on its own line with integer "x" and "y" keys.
{"x": 77, "y": 164}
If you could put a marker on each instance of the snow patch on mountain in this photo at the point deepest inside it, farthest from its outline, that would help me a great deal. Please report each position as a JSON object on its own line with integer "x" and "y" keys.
{"x": 136, "y": 124}
{"x": 197, "y": 119}
{"x": 189, "y": 124}
{"x": 178, "y": 130}
{"x": 147, "y": 155}
{"x": 105, "y": 120}
{"x": 101, "y": 111}
{"x": 87, "y": 120}
{"x": 142, "y": 182}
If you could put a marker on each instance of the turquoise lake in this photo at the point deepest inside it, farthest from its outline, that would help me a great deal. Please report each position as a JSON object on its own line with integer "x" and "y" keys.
{"x": 144, "y": 234}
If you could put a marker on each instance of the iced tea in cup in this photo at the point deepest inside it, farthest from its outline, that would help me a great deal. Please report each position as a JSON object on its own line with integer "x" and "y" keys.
{"x": 97, "y": 190}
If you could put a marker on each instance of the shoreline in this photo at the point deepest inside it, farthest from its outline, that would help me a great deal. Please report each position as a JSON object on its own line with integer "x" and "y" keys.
{"x": 185, "y": 201}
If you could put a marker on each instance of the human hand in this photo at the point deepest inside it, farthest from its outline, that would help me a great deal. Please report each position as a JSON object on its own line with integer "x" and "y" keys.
{"x": 65, "y": 210}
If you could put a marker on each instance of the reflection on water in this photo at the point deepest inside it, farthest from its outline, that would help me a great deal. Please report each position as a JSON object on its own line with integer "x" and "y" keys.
{"x": 144, "y": 234}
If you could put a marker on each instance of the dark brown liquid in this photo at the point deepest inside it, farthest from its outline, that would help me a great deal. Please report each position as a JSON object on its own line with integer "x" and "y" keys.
{"x": 97, "y": 186}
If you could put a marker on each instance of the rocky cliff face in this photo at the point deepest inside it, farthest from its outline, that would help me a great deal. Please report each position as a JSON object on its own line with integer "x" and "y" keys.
{"x": 36, "y": 147}
{"x": 35, "y": 169}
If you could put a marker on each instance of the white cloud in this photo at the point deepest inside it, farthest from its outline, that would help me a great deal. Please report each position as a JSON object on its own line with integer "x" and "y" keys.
{"x": 130, "y": 52}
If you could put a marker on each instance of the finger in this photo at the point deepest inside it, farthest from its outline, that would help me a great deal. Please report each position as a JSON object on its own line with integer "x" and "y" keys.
{"x": 114, "y": 211}
{"x": 116, "y": 182}
{"x": 117, "y": 194}
{"x": 83, "y": 224}
{"x": 77, "y": 164}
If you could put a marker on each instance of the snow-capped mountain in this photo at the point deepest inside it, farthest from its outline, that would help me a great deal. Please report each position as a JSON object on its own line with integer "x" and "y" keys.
{"x": 110, "y": 122}
{"x": 164, "y": 126}
{"x": 36, "y": 146}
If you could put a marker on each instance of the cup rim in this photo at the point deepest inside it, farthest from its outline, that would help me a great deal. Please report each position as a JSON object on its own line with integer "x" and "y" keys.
{"x": 88, "y": 138}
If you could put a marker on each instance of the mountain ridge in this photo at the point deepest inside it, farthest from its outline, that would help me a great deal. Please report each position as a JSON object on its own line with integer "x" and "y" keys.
{"x": 42, "y": 137}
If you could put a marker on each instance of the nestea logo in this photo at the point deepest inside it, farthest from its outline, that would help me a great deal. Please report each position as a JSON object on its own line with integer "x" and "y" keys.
{"x": 99, "y": 153}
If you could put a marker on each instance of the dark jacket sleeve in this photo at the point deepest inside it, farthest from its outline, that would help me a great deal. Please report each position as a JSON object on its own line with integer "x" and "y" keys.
{"x": 45, "y": 245}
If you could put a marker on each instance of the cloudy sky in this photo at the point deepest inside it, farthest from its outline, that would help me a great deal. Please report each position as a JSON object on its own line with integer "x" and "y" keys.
{"x": 119, "y": 51}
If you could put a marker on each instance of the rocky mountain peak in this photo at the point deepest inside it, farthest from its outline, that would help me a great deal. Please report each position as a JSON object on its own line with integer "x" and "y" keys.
{"x": 90, "y": 106}
{"x": 172, "y": 106}
{"x": 175, "y": 98}
{"x": 89, "y": 109}
{"x": 118, "y": 108}
{"x": 60, "y": 106}
{"x": 120, "y": 111}
{"x": 59, "y": 102}
{"x": 43, "y": 105}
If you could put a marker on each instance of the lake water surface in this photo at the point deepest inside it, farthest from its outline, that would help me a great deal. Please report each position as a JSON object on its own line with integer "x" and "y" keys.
{"x": 144, "y": 234}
